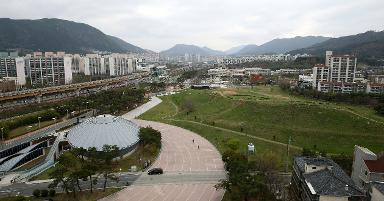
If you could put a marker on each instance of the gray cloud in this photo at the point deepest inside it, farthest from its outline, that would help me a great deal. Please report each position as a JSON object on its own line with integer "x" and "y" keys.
{"x": 219, "y": 24}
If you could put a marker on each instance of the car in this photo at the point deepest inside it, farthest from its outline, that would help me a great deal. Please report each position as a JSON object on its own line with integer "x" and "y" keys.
{"x": 155, "y": 171}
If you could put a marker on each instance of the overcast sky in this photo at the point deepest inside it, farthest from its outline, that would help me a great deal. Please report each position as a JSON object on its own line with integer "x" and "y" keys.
{"x": 218, "y": 24}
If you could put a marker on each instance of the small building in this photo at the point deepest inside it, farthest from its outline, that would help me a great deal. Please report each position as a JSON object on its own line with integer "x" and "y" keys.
{"x": 321, "y": 179}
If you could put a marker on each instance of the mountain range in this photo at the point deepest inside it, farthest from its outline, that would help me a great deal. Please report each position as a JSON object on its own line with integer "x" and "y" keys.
{"x": 63, "y": 35}
{"x": 182, "y": 49}
{"x": 58, "y": 35}
{"x": 368, "y": 44}
{"x": 283, "y": 45}
{"x": 275, "y": 46}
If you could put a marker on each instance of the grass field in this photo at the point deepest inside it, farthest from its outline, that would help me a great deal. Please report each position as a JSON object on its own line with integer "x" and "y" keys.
{"x": 271, "y": 116}
{"x": 26, "y": 129}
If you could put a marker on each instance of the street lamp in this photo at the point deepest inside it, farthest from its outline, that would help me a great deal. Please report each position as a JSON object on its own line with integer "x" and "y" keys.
{"x": 38, "y": 118}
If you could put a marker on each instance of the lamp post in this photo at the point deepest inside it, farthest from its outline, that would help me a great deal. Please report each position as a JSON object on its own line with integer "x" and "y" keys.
{"x": 38, "y": 118}
{"x": 289, "y": 144}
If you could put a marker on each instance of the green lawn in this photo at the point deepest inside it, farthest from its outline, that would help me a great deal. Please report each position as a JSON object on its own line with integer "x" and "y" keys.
{"x": 29, "y": 128}
{"x": 272, "y": 114}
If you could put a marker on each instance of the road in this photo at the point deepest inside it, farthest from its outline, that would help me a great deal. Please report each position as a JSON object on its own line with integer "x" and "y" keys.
{"x": 28, "y": 187}
{"x": 192, "y": 166}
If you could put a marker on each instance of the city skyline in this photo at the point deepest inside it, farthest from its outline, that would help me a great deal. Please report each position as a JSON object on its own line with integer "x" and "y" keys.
{"x": 158, "y": 25}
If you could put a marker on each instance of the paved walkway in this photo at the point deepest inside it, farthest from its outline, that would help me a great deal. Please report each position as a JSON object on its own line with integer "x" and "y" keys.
{"x": 179, "y": 155}
{"x": 143, "y": 108}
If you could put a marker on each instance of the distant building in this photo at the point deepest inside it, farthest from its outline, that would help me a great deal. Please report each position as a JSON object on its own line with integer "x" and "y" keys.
{"x": 318, "y": 179}
{"x": 49, "y": 70}
{"x": 12, "y": 67}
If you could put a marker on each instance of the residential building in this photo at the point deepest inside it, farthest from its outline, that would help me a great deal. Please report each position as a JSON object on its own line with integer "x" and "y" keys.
{"x": 258, "y": 71}
{"x": 120, "y": 64}
{"x": 367, "y": 168}
{"x": 94, "y": 64}
{"x": 12, "y": 67}
{"x": 342, "y": 68}
{"x": 318, "y": 179}
{"x": 320, "y": 73}
{"x": 48, "y": 70}
{"x": 377, "y": 191}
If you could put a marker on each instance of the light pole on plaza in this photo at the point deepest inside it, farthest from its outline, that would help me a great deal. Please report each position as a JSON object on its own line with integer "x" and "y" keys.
{"x": 2, "y": 134}
{"x": 38, "y": 118}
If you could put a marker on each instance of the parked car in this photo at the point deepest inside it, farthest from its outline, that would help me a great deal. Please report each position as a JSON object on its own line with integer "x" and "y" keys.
{"x": 155, "y": 171}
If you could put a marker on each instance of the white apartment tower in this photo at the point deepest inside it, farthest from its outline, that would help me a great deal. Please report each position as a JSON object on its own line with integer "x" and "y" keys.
{"x": 342, "y": 67}
{"x": 12, "y": 67}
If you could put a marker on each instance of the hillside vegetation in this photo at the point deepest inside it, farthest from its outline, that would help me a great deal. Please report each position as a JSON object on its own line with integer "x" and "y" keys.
{"x": 269, "y": 116}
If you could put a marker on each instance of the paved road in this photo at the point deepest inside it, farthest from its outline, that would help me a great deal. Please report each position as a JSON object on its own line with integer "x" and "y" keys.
{"x": 27, "y": 188}
{"x": 190, "y": 173}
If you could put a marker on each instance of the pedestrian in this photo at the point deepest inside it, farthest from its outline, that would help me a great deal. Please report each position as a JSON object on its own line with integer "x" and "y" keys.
{"x": 198, "y": 147}
{"x": 193, "y": 140}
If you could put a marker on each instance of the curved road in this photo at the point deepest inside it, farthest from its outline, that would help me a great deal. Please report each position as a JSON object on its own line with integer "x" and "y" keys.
{"x": 191, "y": 169}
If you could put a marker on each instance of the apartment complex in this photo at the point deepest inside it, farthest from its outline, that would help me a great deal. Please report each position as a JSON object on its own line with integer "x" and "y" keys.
{"x": 12, "y": 67}
{"x": 339, "y": 75}
{"x": 49, "y": 69}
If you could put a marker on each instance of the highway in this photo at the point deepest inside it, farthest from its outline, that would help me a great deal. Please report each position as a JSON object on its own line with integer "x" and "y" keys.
{"x": 59, "y": 93}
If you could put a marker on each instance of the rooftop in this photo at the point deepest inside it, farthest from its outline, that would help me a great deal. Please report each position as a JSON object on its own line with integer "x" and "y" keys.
{"x": 375, "y": 165}
{"x": 104, "y": 129}
{"x": 330, "y": 181}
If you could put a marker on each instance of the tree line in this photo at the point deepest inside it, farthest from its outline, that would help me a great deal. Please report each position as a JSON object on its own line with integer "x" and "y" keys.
{"x": 376, "y": 101}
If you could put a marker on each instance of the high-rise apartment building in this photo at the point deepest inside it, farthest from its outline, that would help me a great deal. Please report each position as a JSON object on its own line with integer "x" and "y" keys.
{"x": 12, "y": 67}
{"x": 49, "y": 70}
{"x": 342, "y": 67}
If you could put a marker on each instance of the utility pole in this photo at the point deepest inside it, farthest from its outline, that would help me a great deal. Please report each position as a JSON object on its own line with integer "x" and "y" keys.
{"x": 289, "y": 144}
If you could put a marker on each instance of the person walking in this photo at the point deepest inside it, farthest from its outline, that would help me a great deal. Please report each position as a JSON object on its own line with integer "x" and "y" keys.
{"x": 193, "y": 140}
{"x": 198, "y": 147}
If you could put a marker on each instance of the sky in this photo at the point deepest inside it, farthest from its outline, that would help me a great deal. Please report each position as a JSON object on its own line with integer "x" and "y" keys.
{"x": 219, "y": 24}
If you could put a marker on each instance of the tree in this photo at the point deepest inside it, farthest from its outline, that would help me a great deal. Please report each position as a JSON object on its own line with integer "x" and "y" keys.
{"x": 148, "y": 135}
{"x": 106, "y": 163}
{"x": 188, "y": 106}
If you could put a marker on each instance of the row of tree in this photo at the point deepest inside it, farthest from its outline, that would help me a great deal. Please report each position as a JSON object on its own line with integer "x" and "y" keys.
{"x": 24, "y": 120}
{"x": 374, "y": 100}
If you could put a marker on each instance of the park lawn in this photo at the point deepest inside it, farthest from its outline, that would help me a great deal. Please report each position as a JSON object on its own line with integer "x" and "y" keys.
{"x": 24, "y": 129}
{"x": 272, "y": 114}
{"x": 81, "y": 196}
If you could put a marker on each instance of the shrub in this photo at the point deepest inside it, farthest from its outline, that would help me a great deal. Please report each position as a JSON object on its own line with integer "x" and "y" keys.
{"x": 149, "y": 135}
{"x": 52, "y": 193}
{"x": 44, "y": 193}
{"x": 36, "y": 193}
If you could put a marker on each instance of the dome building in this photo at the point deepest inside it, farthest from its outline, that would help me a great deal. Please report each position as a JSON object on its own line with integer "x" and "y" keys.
{"x": 105, "y": 130}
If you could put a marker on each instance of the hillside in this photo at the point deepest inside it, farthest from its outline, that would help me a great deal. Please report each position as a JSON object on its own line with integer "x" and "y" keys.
{"x": 58, "y": 35}
{"x": 368, "y": 44}
{"x": 182, "y": 49}
{"x": 281, "y": 45}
